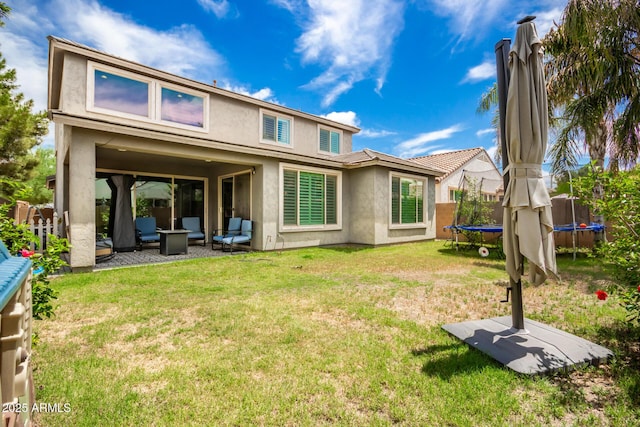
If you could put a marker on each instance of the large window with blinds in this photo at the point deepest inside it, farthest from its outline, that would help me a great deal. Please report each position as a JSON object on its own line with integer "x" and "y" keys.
{"x": 407, "y": 200}
{"x": 310, "y": 198}
{"x": 275, "y": 128}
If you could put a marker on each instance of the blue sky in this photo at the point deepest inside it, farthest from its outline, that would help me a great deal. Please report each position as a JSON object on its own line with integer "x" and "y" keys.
{"x": 409, "y": 73}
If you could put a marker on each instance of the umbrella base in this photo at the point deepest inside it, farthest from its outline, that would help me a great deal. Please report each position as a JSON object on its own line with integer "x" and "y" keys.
{"x": 537, "y": 349}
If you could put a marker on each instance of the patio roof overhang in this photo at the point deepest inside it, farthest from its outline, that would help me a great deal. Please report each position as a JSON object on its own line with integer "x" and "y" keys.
{"x": 198, "y": 148}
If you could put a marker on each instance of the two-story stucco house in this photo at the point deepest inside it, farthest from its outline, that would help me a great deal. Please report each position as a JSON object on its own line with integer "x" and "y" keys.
{"x": 177, "y": 147}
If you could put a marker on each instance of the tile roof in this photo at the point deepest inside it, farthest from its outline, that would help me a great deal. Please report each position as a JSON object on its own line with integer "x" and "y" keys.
{"x": 451, "y": 161}
{"x": 367, "y": 155}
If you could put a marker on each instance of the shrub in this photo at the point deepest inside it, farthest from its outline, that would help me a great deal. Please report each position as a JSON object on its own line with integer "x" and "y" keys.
{"x": 620, "y": 205}
{"x": 18, "y": 237}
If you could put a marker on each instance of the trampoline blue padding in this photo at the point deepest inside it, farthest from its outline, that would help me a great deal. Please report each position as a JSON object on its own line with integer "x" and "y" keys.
{"x": 489, "y": 228}
{"x": 570, "y": 227}
{"x": 497, "y": 228}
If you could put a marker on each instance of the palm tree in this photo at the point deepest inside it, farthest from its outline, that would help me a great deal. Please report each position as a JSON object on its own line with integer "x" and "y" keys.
{"x": 488, "y": 102}
{"x": 593, "y": 79}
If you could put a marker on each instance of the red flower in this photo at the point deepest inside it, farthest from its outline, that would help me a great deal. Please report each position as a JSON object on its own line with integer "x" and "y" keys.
{"x": 602, "y": 295}
{"x": 638, "y": 288}
{"x": 25, "y": 253}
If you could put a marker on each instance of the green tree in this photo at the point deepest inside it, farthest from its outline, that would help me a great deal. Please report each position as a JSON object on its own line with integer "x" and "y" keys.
{"x": 621, "y": 205}
{"x": 565, "y": 178}
{"x": 20, "y": 129}
{"x": 489, "y": 102}
{"x": 4, "y": 12}
{"x": 38, "y": 193}
{"x": 593, "y": 80}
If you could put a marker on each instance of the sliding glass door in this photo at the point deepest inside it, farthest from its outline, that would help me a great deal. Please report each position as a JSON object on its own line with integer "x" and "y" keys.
{"x": 166, "y": 198}
{"x": 235, "y": 197}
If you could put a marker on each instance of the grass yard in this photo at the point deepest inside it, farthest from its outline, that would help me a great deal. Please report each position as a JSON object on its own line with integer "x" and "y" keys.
{"x": 321, "y": 336}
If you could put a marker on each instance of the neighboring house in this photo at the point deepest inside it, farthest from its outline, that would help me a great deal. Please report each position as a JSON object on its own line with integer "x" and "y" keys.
{"x": 177, "y": 148}
{"x": 473, "y": 165}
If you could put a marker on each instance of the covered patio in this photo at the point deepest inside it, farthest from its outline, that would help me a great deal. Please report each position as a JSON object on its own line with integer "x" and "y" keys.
{"x": 152, "y": 255}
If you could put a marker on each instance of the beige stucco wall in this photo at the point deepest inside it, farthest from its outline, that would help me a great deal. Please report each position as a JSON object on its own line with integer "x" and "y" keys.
{"x": 230, "y": 120}
{"x": 82, "y": 201}
{"x": 300, "y": 238}
{"x": 110, "y": 143}
{"x": 362, "y": 198}
{"x": 370, "y": 201}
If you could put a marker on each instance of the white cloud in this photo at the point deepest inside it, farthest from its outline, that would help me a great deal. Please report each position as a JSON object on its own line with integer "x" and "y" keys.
{"x": 484, "y": 71}
{"x": 545, "y": 20}
{"x": 492, "y": 152}
{"x": 483, "y": 132}
{"x": 419, "y": 145}
{"x": 469, "y": 18}
{"x": 220, "y": 8}
{"x": 293, "y": 6}
{"x": 264, "y": 94}
{"x": 346, "y": 117}
{"x": 369, "y": 133}
{"x": 351, "y": 40}
{"x": 180, "y": 50}
{"x": 22, "y": 42}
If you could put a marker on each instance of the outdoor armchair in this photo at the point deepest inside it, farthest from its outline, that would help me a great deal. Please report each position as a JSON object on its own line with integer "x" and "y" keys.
{"x": 246, "y": 231}
{"x": 192, "y": 223}
{"x": 234, "y": 228}
{"x": 146, "y": 231}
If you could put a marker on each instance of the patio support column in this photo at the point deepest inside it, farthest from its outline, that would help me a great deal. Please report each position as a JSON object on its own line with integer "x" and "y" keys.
{"x": 82, "y": 206}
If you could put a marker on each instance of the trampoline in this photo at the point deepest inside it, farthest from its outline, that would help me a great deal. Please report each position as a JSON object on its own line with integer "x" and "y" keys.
{"x": 497, "y": 228}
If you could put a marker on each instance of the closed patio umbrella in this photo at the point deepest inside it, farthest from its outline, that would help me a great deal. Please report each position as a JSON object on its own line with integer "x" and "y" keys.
{"x": 527, "y": 223}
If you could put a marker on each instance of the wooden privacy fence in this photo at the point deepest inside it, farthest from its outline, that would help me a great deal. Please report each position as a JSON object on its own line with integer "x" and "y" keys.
{"x": 563, "y": 213}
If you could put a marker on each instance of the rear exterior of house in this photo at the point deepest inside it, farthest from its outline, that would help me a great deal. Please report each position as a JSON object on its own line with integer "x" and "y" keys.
{"x": 180, "y": 148}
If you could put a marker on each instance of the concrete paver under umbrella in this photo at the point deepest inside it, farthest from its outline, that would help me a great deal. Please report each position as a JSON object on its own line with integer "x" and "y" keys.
{"x": 526, "y": 346}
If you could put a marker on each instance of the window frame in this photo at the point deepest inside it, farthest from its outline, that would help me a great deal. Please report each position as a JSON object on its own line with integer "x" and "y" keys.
{"x": 186, "y": 91}
{"x": 314, "y": 227}
{"x": 425, "y": 191}
{"x": 456, "y": 193}
{"x": 154, "y": 107}
{"x": 278, "y": 116}
{"x": 331, "y": 130}
{"x": 91, "y": 93}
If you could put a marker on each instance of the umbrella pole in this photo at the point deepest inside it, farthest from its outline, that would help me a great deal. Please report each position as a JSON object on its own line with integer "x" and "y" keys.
{"x": 503, "y": 75}
{"x": 517, "y": 313}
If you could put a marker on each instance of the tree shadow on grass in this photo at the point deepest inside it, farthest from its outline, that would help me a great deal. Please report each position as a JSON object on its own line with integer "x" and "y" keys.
{"x": 446, "y": 361}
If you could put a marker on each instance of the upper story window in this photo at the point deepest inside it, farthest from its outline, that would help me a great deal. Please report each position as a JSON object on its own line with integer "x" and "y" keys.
{"x": 120, "y": 93}
{"x": 407, "y": 200}
{"x": 329, "y": 140}
{"x": 275, "y": 128}
{"x": 181, "y": 107}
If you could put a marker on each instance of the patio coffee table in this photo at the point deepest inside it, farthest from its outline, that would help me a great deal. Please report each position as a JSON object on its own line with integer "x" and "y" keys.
{"x": 173, "y": 242}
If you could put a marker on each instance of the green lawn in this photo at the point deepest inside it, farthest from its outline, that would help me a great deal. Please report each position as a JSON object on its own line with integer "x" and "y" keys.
{"x": 321, "y": 336}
